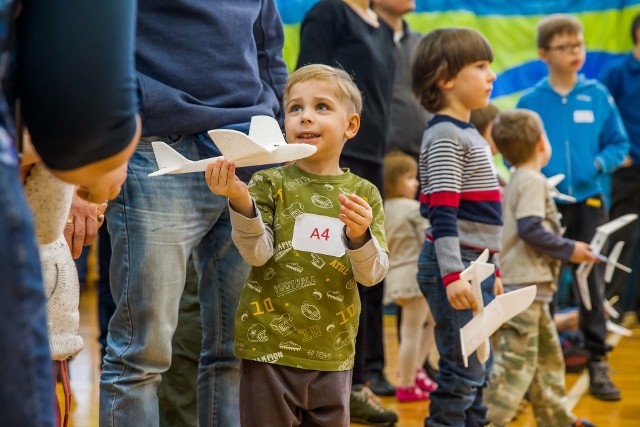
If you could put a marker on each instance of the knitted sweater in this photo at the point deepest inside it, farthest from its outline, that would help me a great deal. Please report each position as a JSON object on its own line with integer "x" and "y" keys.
{"x": 460, "y": 194}
{"x": 50, "y": 200}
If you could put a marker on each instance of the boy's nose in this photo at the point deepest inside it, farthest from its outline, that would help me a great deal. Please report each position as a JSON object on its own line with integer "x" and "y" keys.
{"x": 492, "y": 75}
{"x": 306, "y": 116}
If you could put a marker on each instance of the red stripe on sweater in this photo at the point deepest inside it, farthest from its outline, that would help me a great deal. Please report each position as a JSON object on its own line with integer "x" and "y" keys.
{"x": 482, "y": 196}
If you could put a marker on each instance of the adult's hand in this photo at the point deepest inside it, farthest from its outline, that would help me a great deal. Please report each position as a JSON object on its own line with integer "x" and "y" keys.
{"x": 85, "y": 219}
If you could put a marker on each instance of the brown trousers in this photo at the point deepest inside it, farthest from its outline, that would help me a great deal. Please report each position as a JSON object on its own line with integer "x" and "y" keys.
{"x": 282, "y": 396}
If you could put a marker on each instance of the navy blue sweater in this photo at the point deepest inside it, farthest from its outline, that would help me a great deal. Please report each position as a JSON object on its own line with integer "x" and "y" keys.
{"x": 233, "y": 70}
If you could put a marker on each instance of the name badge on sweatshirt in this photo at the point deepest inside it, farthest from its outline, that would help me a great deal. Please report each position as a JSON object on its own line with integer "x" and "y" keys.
{"x": 319, "y": 234}
{"x": 583, "y": 116}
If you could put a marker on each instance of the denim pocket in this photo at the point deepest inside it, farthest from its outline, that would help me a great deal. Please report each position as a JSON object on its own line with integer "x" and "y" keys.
{"x": 173, "y": 141}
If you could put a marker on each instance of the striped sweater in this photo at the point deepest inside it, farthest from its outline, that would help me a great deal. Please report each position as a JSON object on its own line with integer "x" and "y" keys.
{"x": 460, "y": 194}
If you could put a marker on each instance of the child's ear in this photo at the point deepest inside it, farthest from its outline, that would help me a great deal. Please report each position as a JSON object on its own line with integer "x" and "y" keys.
{"x": 353, "y": 126}
{"x": 446, "y": 84}
{"x": 542, "y": 53}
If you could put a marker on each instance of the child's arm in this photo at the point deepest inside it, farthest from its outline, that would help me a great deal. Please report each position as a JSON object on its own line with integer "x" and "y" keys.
{"x": 445, "y": 184}
{"x": 369, "y": 261}
{"x": 529, "y": 215}
{"x": 251, "y": 235}
{"x": 531, "y": 230}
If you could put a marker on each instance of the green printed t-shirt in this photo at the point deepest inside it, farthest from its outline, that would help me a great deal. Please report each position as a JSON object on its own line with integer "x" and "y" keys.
{"x": 301, "y": 309}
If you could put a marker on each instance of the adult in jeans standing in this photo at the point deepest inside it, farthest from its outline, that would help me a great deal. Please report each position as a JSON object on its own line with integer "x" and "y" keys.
{"x": 200, "y": 66}
{"x": 77, "y": 91}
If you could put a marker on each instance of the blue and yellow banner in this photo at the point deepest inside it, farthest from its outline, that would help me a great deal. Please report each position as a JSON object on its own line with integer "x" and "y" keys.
{"x": 510, "y": 27}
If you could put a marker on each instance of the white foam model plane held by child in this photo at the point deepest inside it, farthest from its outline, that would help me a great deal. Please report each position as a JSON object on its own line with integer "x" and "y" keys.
{"x": 475, "y": 334}
{"x": 264, "y": 145}
{"x": 597, "y": 244}
{"x": 552, "y": 183}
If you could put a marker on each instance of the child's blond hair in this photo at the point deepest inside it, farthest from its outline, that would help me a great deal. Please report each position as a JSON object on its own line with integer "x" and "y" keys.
{"x": 439, "y": 56}
{"x": 516, "y": 134}
{"x": 395, "y": 164}
{"x": 346, "y": 89}
{"x": 556, "y": 24}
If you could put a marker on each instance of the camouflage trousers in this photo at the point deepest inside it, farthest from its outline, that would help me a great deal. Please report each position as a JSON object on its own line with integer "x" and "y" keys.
{"x": 528, "y": 357}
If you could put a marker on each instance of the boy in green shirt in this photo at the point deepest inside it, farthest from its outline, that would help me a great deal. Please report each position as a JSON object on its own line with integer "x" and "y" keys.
{"x": 311, "y": 230}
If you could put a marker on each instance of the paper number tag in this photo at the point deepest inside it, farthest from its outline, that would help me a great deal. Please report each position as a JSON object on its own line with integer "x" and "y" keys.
{"x": 319, "y": 234}
{"x": 583, "y": 116}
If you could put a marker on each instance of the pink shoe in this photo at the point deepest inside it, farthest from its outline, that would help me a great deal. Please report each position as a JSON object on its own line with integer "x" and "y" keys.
{"x": 424, "y": 382}
{"x": 411, "y": 394}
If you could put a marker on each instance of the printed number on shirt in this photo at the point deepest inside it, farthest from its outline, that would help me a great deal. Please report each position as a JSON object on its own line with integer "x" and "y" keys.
{"x": 268, "y": 306}
{"x": 351, "y": 311}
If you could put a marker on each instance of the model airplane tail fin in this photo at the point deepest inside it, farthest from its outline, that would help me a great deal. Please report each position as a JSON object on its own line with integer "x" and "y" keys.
{"x": 166, "y": 156}
{"x": 612, "y": 262}
{"x": 554, "y": 180}
{"x": 266, "y": 131}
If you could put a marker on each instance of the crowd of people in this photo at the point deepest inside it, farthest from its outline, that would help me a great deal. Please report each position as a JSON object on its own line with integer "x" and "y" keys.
{"x": 254, "y": 296}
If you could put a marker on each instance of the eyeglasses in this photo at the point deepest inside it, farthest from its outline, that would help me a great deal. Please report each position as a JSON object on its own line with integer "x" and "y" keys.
{"x": 566, "y": 48}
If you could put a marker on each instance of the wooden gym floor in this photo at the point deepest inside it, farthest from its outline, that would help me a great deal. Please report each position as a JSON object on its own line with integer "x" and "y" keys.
{"x": 624, "y": 360}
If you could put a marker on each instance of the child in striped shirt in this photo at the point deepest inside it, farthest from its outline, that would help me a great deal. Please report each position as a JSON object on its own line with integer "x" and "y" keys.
{"x": 460, "y": 196}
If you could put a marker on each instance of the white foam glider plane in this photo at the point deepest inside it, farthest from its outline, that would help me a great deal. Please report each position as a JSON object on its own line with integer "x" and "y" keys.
{"x": 474, "y": 336}
{"x": 264, "y": 145}
{"x": 552, "y": 183}
{"x": 597, "y": 243}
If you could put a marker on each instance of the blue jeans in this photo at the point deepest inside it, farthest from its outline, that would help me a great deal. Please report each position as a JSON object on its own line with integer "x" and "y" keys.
{"x": 27, "y": 389}
{"x": 457, "y": 401}
{"x": 155, "y": 224}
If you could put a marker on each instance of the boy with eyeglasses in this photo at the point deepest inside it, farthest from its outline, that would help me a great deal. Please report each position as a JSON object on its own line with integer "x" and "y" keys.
{"x": 589, "y": 142}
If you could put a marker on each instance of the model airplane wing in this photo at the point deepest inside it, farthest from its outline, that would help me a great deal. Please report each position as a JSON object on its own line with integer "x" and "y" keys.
{"x": 552, "y": 183}
{"x": 618, "y": 329}
{"x": 475, "y": 274}
{"x": 597, "y": 243}
{"x": 612, "y": 262}
{"x": 475, "y": 334}
{"x": 264, "y": 145}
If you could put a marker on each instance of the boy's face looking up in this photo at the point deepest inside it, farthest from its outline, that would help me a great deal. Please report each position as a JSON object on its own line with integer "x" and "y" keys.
{"x": 316, "y": 115}
{"x": 565, "y": 54}
{"x": 471, "y": 87}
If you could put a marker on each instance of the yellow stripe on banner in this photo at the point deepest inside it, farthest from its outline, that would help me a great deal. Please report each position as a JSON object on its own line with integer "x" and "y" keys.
{"x": 507, "y": 102}
{"x": 291, "y": 45}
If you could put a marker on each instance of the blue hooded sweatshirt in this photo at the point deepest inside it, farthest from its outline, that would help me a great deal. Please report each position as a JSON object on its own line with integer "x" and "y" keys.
{"x": 584, "y": 128}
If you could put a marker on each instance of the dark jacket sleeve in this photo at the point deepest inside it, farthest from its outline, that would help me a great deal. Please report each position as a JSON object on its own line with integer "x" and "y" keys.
{"x": 76, "y": 78}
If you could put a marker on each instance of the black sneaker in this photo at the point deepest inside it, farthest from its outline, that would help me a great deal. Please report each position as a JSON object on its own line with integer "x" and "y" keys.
{"x": 365, "y": 408}
{"x": 379, "y": 384}
{"x": 600, "y": 385}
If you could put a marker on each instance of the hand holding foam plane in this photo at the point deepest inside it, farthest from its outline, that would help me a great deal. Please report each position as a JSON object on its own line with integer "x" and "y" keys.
{"x": 264, "y": 145}
{"x": 474, "y": 336}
